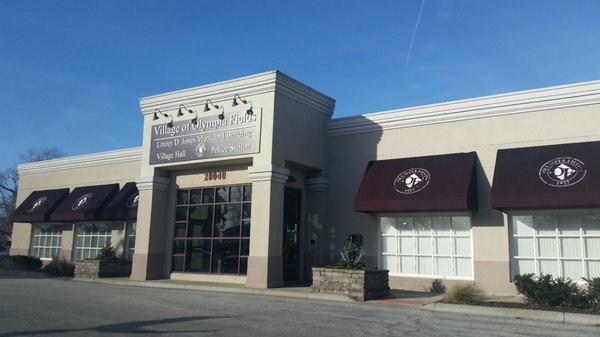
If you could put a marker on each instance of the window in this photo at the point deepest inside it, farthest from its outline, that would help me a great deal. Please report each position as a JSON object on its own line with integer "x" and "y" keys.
{"x": 91, "y": 238}
{"x": 47, "y": 240}
{"x": 130, "y": 240}
{"x": 435, "y": 246}
{"x": 212, "y": 230}
{"x": 559, "y": 244}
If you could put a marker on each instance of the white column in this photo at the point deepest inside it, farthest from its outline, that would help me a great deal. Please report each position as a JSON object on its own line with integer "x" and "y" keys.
{"x": 149, "y": 240}
{"x": 265, "y": 262}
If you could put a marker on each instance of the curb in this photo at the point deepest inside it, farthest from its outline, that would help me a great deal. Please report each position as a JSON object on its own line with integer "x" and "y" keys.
{"x": 540, "y": 315}
{"x": 216, "y": 288}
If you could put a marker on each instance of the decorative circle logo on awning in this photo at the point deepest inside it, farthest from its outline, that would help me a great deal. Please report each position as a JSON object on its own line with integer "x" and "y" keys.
{"x": 133, "y": 200}
{"x": 82, "y": 201}
{"x": 412, "y": 180}
{"x": 36, "y": 204}
{"x": 562, "y": 172}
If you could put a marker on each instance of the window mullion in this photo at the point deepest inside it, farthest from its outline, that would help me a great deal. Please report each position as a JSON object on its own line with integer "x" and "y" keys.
{"x": 582, "y": 251}
{"x": 558, "y": 251}
{"x": 433, "y": 246}
{"x": 415, "y": 247}
{"x": 536, "y": 254}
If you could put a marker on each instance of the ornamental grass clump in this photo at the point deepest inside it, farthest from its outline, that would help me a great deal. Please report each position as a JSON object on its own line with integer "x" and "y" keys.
{"x": 465, "y": 294}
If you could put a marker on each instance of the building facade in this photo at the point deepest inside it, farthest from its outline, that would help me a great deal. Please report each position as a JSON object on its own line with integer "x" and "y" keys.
{"x": 251, "y": 181}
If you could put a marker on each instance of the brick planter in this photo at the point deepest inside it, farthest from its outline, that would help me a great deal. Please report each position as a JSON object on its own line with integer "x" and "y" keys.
{"x": 98, "y": 268}
{"x": 362, "y": 285}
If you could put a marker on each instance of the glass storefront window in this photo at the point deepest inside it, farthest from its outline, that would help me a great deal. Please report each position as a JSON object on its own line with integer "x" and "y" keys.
{"x": 130, "y": 240}
{"x": 560, "y": 244}
{"x": 46, "y": 241}
{"x": 212, "y": 230}
{"x": 91, "y": 238}
{"x": 433, "y": 246}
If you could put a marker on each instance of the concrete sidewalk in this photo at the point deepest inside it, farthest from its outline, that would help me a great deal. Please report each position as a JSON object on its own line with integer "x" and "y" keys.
{"x": 417, "y": 300}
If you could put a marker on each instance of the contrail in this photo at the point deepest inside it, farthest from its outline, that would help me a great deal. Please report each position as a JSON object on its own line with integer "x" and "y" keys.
{"x": 412, "y": 41}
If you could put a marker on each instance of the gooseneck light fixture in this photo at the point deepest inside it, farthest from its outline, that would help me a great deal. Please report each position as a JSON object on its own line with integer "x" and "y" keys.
{"x": 190, "y": 111}
{"x": 209, "y": 106}
{"x": 180, "y": 113}
{"x": 236, "y": 101}
{"x": 159, "y": 114}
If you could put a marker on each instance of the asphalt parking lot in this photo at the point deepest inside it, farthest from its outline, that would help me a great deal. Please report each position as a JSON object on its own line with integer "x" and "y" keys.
{"x": 58, "y": 307}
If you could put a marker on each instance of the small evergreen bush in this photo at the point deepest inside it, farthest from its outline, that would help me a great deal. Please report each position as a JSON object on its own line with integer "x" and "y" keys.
{"x": 107, "y": 254}
{"x": 60, "y": 267}
{"x": 465, "y": 294}
{"x": 546, "y": 290}
{"x": 593, "y": 292}
{"x": 20, "y": 262}
{"x": 437, "y": 286}
{"x": 559, "y": 291}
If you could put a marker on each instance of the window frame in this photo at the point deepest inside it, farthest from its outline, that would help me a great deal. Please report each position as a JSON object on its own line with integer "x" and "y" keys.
{"x": 77, "y": 229}
{"x": 432, "y": 236}
{"x": 556, "y": 236}
{"x": 213, "y": 203}
{"x": 129, "y": 251}
{"x": 32, "y": 245}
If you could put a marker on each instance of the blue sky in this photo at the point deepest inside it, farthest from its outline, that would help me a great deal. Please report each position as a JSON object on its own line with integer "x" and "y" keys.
{"x": 71, "y": 72}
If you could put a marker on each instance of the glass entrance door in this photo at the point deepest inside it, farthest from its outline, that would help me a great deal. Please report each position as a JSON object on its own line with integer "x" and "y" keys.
{"x": 291, "y": 232}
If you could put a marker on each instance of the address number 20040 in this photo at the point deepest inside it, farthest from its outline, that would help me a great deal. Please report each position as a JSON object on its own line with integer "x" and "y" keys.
{"x": 215, "y": 176}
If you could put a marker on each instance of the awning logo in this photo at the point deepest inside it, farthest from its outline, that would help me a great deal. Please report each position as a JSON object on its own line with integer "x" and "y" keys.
{"x": 36, "y": 204}
{"x": 82, "y": 201}
{"x": 562, "y": 172}
{"x": 133, "y": 200}
{"x": 412, "y": 181}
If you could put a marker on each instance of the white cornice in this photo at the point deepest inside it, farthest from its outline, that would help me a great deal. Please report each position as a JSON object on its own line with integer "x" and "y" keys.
{"x": 318, "y": 184}
{"x": 154, "y": 183}
{"x": 271, "y": 81}
{"x": 564, "y": 96}
{"x": 87, "y": 160}
{"x": 268, "y": 173}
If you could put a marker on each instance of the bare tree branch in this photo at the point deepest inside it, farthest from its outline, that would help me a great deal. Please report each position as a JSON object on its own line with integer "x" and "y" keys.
{"x": 9, "y": 183}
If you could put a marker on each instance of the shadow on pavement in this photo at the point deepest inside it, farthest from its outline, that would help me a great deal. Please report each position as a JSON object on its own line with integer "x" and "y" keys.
{"x": 12, "y": 274}
{"x": 129, "y": 328}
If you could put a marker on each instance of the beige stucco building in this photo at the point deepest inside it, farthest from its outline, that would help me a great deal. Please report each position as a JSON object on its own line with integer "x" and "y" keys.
{"x": 251, "y": 181}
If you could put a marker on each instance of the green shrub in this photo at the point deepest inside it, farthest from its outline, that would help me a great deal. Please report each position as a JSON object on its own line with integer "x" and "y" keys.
{"x": 20, "y": 262}
{"x": 60, "y": 267}
{"x": 6, "y": 263}
{"x": 465, "y": 294}
{"x": 559, "y": 291}
{"x": 107, "y": 254}
{"x": 593, "y": 291}
{"x": 437, "y": 286}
